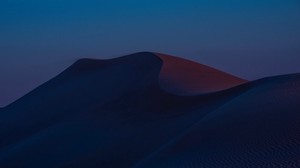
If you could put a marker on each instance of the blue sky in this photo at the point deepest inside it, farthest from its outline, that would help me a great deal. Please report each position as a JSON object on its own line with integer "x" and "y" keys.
{"x": 248, "y": 38}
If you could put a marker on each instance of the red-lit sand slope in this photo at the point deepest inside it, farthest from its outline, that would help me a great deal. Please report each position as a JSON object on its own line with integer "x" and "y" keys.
{"x": 187, "y": 78}
{"x": 115, "y": 114}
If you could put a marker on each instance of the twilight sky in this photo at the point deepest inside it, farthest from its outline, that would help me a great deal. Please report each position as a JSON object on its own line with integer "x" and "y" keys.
{"x": 247, "y": 38}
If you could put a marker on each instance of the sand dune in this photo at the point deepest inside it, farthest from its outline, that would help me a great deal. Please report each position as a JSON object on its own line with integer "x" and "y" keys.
{"x": 259, "y": 128}
{"x": 131, "y": 112}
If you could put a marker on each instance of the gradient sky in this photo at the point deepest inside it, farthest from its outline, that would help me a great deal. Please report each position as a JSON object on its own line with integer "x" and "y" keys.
{"x": 248, "y": 38}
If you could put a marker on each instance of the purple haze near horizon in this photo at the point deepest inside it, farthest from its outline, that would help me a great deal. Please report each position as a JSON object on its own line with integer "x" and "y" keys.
{"x": 250, "y": 39}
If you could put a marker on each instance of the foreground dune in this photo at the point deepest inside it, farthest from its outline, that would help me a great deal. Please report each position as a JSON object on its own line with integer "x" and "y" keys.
{"x": 134, "y": 111}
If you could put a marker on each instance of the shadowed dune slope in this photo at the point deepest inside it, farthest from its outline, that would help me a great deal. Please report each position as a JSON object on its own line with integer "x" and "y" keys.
{"x": 259, "y": 128}
{"x": 114, "y": 114}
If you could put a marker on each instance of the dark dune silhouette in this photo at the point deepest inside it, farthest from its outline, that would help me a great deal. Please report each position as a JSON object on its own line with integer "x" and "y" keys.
{"x": 134, "y": 111}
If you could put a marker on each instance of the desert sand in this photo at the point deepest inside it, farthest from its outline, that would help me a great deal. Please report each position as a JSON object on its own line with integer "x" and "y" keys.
{"x": 149, "y": 110}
